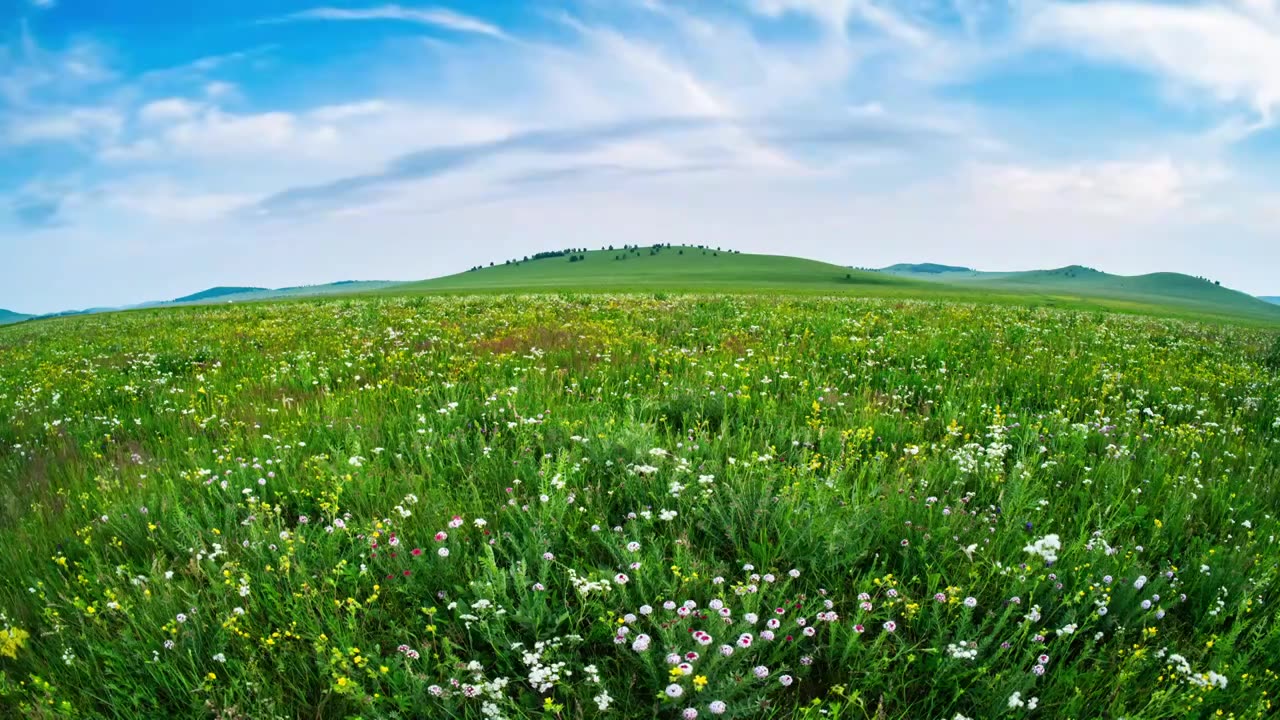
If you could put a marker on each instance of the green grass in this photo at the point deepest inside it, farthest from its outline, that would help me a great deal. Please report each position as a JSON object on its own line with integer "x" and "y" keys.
{"x": 216, "y": 511}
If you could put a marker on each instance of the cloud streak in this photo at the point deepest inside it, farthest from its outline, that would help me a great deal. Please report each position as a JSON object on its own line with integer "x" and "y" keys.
{"x": 440, "y": 18}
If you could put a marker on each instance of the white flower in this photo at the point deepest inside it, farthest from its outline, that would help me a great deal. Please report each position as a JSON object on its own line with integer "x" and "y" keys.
{"x": 689, "y": 714}
{"x": 717, "y": 707}
{"x": 220, "y": 658}
{"x": 760, "y": 671}
{"x": 355, "y": 461}
{"x": 443, "y": 552}
{"x": 674, "y": 691}
{"x": 602, "y": 700}
{"x": 786, "y": 680}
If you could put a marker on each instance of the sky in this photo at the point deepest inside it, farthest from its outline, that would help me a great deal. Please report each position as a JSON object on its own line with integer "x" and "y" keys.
{"x": 149, "y": 150}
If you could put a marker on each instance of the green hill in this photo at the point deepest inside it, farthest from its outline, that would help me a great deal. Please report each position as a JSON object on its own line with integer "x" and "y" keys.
{"x": 9, "y": 316}
{"x": 1274, "y": 299}
{"x": 648, "y": 269}
{"x": 913, "y": 269}
{"x": 694, "y": 269}
{"x": 215, "y": 292}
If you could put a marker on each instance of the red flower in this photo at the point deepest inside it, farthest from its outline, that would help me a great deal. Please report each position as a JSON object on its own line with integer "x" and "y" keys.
{"x": 415, "y": 552}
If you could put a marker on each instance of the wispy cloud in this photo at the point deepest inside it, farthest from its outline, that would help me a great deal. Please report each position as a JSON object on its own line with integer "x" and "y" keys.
{"x": 1230, "y": 53}
{"x": 441, "y": 18}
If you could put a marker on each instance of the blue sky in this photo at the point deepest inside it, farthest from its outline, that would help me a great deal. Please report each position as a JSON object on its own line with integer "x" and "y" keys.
{"x": 148, "y": 150}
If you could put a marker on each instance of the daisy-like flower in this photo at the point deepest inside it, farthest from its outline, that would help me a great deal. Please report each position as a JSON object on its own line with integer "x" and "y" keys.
{"x": 859, "y": 629}
{"x": 442, "y": 536}
{"x": 744, "y": 640}
{"x": 726, "y": 650}
{"x": 621, "y": 579}
{"x": 786, "y": 680}
{"x": 971, "y": 602}
{"x": 443, "y": 552}
{"x": 689, "y": 714}
{"x": 890, "y": 626}
{"x": 717, "y": 707}
{"x": 760, "y": 671}
{"x": 646, "y": 609}
{"x": 674, "y": 691}
{"x": 633, "y": 546}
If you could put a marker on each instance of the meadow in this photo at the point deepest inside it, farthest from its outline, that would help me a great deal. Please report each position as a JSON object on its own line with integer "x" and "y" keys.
{"x": 578, "y": 506}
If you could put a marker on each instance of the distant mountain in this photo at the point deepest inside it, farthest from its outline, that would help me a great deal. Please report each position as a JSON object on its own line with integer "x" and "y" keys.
{"x": 222, "y": 294}
{"x": 215, "y": 292}
{"x": 1274, "y": 299}
{"x": 9, "y": 316}
{"x": 925, "y": 269}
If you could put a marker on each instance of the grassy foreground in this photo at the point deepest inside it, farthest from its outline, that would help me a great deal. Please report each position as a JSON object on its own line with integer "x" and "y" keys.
{"x": 693, "y": 507}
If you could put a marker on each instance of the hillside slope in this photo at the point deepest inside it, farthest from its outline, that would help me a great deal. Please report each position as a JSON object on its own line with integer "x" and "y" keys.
{"x": 693, "y": 269}
{"x": 9, "y": 316}
{"x": 215, "y": 292}
{"x": 671, "y": 268}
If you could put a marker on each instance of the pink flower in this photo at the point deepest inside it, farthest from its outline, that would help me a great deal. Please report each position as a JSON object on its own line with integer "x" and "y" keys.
{"x": 442, "y": 536}
{"x": 456, "y": 521}
{"x": 890, "y": 626}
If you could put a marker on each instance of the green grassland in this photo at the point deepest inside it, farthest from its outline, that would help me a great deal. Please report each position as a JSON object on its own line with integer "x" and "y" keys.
{"x": 690, "y": 269}
{"x": 595, "y": 505}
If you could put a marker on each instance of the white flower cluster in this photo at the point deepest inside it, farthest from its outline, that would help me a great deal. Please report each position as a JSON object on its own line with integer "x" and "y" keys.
{"x": 586, "y": 586}
{"x": 963, "y": 650}
{"x": 1046, "y": 547}
{"x": 1210, "y": 679}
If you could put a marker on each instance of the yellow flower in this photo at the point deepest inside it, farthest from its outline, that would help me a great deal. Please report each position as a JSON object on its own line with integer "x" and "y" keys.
{"x": 12, "y": 640}
{"x": 700, "y": 682}
{"x": 212, "y": 676}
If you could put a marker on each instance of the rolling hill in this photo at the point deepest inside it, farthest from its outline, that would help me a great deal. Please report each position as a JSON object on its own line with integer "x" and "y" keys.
{"x": 670, "y": 269}
{"x": 1274, "y": 299}
{"x": 216, "y": 292}
{"x": 693, "y": 269}
{"x": 9, "y": 316}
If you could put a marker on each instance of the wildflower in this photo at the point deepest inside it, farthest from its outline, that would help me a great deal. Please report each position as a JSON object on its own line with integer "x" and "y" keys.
{"x": 621, "y": 579}
{"x": 646, "y": 609}
{"x": 220, "y": 658}
{"x": 971, "y": 602}
{"x": 717, "y": 707}
{"x": 760, "y": 671}
{"x": 859, "y": 629}
{"x": 181, "y": 618}
{"x": 456, "y": 521}
{"x": 1140, "y": 582}
{"x": 786, "y": 680}
{"x": 602, "y": 700}
{"x": 726, "y": 650}
{"x": 689, "y": 714}
{"x": 443, "y": 552}
{"x": 890, "y": 626}
{"x": 415, "y": 552}
{"x": 633, "y": 546}
{"x": 674, "y": 691}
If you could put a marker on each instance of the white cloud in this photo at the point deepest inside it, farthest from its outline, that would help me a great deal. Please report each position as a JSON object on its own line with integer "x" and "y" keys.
{"x": 75, "y": 124}
{"x": 168, "y": 110}
{"x": 1232, "y": 54}
{"x": 1135, "y": 190}
{"x": 434, "y": 17}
